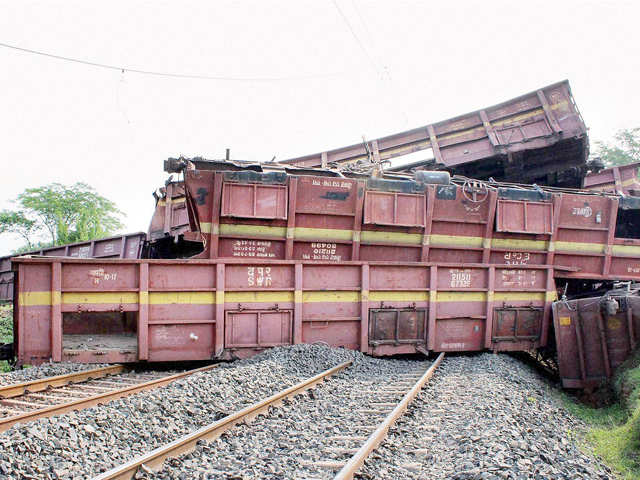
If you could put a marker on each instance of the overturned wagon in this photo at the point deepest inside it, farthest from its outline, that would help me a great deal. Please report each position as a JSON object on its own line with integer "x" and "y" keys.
{"x": 587, "y": 237}
{"x": 159, "y": 310}
{"x": 384, "y": 265}
{"x": 539, "y": 137}
{"x": 385, "y": 261}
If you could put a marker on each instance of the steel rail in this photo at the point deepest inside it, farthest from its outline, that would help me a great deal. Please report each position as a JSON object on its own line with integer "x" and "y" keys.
{"x": 17, "y": 389}
{"x": 375, "y": 439}
{"x": 8, "y": 422}
{"x": 154, "y": 459}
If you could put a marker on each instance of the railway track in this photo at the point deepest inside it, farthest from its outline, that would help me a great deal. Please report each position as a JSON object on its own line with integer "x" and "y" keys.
{"x": 28, "y": 401}
{"x": 346, "y": 421}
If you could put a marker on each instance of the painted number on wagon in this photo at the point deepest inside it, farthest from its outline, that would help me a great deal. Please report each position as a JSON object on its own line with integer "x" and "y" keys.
{"x": 99, "y": 274}
{"x": 252, "y": 248}
{"x": 259, "y": 276}
{"x": 516, "y": 258}
{"x": 519, "y": 278}
{"x": 460, "y": 278}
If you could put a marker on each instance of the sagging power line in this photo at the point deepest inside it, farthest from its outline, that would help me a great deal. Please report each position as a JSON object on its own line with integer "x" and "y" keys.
{"x": 171, "y": 74}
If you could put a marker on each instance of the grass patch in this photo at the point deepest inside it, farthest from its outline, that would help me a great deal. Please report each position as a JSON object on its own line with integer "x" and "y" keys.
{"x": 6, "y": 331}
{"x": 614, "y": 431}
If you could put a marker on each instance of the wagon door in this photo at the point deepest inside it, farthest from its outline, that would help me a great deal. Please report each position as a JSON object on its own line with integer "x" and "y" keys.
{"x": 258, "y": 329}
{"x": 391, "y": 326}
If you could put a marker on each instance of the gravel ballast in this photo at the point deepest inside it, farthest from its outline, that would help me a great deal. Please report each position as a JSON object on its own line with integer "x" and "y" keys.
{"x": 88, "y": 442}
{"x": 44, "y": 370}
{"x": 481, "y": 416}
{"x": 485, "y": 416}
{"x": 307, "y": 436}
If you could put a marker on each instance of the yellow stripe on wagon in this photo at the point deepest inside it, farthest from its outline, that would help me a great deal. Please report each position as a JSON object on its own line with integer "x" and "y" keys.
{"x": 461, "y": 297}
{"x": 330, "y": 296}
{"x": 434, "y": 240}
{"x": 100, "y": 297}
{"x": 394, "y": 296}
{"x": 188, "y": 298}
{"x": 29, "y": 299}
{"x": 162, "y": 203}
{"x": 580, "y": 247}
{"x": 34, "y": 299}
{"x": 457, "y": 240}
{"x": 626, "y": 250}
{"x": 367, "y": 236}
{"x": 540, "y": 245}
{"x": 258, "y": 297}
{"x": 306, "y": 233}
{"x": 519, "y": 296}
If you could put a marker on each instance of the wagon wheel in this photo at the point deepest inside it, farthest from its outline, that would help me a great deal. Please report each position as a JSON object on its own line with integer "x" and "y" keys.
{"x": 475, "y": 191}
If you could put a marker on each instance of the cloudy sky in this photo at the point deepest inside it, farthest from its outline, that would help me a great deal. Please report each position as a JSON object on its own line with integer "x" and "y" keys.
{"x": 296, "y": 77}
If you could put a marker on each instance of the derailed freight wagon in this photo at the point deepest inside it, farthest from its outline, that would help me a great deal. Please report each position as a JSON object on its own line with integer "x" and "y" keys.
{"x": 160, "y": 310}
{"x": 539, "y": 137}
{"x": 383, "y": 265}
{"x": 130, "y": 245}
{"x": 589, "y": 237}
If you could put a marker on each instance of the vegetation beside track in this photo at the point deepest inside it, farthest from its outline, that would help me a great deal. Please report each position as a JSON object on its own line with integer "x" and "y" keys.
{"x": 614, "y": 430}
{"x": 6, "y": 330}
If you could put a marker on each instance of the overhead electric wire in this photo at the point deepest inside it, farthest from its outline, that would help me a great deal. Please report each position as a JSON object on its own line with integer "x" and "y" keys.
{"x": 170, "y": 74}
{"x": 368, "y": 55}
{"x": 362, "y": 47}
{"x": 364, "y": 24}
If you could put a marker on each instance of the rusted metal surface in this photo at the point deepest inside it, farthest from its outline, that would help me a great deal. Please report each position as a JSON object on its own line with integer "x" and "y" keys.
{"x": 228, "y": 308}
{"x": 594, "y": 336}
{"x": 621, "y": 179}
{"x": 123, "y": 246}
{"x": 377, "y": 437}
{"x": 154, "y": 460}
{"x": 16, "y": 389}
{"x": 502, "y": 245}
{"x": 114, "y": 390}
{"x": 538, "y": 138}
{"x": 584, "y": 235}
{"x": 170, "y": 217}
{"x": 170, "y": 233}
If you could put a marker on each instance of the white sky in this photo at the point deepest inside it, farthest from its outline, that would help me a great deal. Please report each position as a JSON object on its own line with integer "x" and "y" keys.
{"x": 65, "y": 122}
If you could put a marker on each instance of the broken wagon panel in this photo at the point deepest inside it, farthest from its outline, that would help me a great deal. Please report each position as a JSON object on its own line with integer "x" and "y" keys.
{"x": 594, "y": 336}
{"x": 618, "y": 179}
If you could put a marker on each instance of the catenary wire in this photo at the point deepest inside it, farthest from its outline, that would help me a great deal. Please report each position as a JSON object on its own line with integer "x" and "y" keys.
{"x": 170, "y": 74}
{"x": 362, "y": 47}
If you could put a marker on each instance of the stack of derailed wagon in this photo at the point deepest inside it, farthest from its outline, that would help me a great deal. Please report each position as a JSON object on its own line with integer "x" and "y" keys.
{"x": 334, "y": 247}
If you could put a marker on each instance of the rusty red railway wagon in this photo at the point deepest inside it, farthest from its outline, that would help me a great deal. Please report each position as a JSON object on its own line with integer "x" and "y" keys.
{"x": 596, "y": 335}
{"x": 539, "y": 137}
{"x": 385, "y": 265}
{"x": 161, "y": 310}
{"x": 619, "y": 179}
{"x": 130, "y": 245}
{"x": 170, "y": 235}
{"x": 585, "y": 236}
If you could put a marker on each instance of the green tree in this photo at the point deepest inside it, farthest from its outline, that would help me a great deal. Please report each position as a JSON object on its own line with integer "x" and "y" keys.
{"x": 17, "y": 222}
{"x": 64, "y": 214}
{"x": 623, "y": 150}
